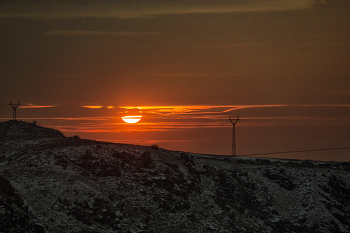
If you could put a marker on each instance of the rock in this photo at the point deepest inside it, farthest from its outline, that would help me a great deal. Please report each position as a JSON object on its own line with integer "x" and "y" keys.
{"x": 50, "y": 183}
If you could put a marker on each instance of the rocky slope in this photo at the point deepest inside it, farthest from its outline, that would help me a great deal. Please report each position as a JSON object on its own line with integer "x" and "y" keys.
{"x": 52, "y": 183}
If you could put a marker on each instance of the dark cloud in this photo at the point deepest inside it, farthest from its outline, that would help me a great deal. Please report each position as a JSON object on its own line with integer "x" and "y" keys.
{"x": 139, "y": 8}
{"x": 331, "y": 3}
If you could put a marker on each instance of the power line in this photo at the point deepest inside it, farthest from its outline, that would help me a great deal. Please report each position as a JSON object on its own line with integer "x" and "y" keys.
{"x": 298, "y": 151}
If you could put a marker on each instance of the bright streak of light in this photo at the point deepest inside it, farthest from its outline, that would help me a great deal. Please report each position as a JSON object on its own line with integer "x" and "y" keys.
{"x": 92, "y": 106}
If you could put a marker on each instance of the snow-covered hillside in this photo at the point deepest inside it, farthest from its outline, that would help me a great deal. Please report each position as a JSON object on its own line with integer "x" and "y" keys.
{"x": 52, "y": 183}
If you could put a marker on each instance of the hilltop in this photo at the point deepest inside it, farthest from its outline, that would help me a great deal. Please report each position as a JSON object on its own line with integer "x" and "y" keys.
{"x": 17, "y": 129}
{"x": 53, "y": 183}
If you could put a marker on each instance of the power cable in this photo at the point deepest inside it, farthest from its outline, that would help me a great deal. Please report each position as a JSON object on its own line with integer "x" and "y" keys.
{"x": 298, "y": 151}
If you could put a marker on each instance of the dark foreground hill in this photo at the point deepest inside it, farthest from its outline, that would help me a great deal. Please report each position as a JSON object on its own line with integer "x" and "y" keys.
{"x": 52, "y": 183}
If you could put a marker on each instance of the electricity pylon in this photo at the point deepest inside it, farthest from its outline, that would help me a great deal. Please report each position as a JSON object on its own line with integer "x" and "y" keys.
{"x": 233, "y": 151}
{"x": 14, "y": 108}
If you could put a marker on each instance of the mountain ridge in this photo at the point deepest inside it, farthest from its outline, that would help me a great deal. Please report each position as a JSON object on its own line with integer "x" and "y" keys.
{"x": 53, "y": 183}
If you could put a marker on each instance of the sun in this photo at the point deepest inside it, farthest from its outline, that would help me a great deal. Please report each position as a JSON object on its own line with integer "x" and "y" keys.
{"x": 131, "y": 119}
{"x": 131, "y": 115}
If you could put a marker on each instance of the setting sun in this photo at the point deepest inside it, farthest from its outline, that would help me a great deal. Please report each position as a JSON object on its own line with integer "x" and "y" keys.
{"x": 131, "y": 114}
{"x": 131, "y": 119}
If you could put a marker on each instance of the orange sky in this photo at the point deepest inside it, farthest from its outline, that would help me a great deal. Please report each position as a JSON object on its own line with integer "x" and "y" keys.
{"x": 282, "y": 66}
{"x": 206, "y": 129}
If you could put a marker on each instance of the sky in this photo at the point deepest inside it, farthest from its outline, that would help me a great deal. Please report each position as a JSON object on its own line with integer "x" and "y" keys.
{"x": 282, "y": 66}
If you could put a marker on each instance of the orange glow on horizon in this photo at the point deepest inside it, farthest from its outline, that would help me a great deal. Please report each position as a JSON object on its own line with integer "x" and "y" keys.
{"x": 38, "y": 106}
{"x": 198, "y": 108}
{"x": 92, "y": 106}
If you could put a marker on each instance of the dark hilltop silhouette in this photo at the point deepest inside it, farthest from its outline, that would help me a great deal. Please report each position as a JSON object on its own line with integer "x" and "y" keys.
{"x": 53, "y": 183}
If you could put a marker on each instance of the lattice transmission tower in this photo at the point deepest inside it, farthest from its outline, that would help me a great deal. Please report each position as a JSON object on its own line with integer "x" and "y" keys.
{"x": 233, "y": 151}
{"x": 14, "y": 108}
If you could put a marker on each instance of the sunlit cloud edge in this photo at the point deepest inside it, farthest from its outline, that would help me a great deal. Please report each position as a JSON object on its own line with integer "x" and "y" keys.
{"x": 38, "y": 106}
